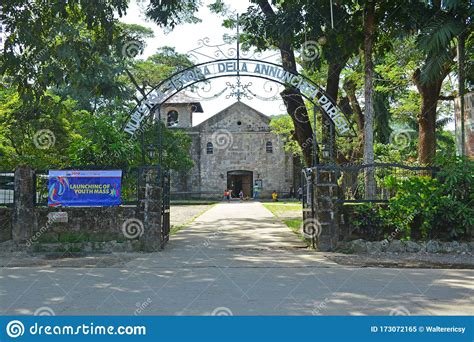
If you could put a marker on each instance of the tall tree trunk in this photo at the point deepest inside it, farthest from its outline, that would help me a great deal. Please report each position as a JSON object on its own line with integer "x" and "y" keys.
{"x": 292, "y": 98}
{"x": 350, "y": 88}
{"x": 369, "y": 27}
{"x": 332, "y": 89}
{"x": 461, "y": 47}
{"x": 333, "y": 76}
{"x": 427, "y": 118}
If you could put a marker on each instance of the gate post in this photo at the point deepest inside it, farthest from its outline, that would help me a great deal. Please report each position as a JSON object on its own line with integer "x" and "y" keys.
{"x": 150, "y": 208}
{"x": 326, "y": 208}
{"x": 24, "y": 220}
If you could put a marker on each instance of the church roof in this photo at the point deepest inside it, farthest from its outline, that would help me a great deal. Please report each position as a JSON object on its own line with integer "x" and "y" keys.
{"x": 183, "y": 98}
{"x": 225, "y": 111}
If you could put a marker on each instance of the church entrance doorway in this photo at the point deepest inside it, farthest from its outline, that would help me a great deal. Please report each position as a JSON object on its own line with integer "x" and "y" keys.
{"x": 240, "y": 180}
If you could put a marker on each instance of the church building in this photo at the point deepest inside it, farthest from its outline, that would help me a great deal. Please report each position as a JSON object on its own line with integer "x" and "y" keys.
{"x": 234, "y": 149}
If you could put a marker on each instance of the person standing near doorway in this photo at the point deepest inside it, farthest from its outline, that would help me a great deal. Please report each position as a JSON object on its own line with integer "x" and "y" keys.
{"x": 300, "y": 193}
{"x": 256, "y": 191}
{"x": 241, "y": 195}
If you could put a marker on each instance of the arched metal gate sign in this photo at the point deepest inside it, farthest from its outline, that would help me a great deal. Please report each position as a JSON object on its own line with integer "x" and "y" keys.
{"x": 237, "y": 67}
{"x": 230, "y": 68}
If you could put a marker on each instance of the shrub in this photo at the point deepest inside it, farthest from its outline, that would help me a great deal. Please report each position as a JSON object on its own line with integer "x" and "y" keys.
{"x": 414, "y": 206}
{"x": 440, "y": 207}
{"x": 456, "y": 212}
{"x": 367, "y": 221}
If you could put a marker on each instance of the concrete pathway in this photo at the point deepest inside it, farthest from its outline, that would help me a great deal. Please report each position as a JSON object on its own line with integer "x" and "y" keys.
{"x": 236, "y": 258}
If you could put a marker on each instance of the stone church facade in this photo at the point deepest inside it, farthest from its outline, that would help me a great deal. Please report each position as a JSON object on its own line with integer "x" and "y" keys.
{"x": 234, "y": 149}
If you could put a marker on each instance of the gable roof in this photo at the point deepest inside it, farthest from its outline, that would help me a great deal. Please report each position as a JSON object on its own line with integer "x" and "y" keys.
{"x": 184, "y": 98}
{"x": 220, "y": 115}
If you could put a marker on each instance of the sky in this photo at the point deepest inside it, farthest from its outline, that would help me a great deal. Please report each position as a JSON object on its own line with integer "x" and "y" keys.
{"x": 185, "y": 38}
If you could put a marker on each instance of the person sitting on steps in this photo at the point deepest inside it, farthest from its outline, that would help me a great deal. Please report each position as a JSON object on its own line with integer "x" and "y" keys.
{"x": 274, "y": 196}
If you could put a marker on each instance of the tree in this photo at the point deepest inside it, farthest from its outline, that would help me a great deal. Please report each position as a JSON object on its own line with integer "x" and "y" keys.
{"x": 450, "y": 22}
{"x": 143, "y": 75}
{"x": 337, "y": 44}
{"x": 34, "y": 137}
{"x": 369, "y": 28}
{"x": 56, "y": 43}
{"x": 282, "y": 39}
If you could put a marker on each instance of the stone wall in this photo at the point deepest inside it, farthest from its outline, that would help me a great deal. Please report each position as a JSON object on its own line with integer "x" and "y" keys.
{"x": 247, "y": 152}
{"x": 88, "y": 224}
{"x": 184, "y": 114}
{"x": 239, "y": 135}
{"x": 327, "y": 209}
{"x": 29, "y": 224}
{"x": 5, "y": 224}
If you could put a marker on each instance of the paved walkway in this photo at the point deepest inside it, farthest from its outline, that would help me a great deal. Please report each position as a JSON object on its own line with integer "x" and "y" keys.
{"x": 235, "y": 258}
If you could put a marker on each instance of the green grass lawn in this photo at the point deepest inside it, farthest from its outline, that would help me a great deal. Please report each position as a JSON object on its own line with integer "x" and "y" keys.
{"x": 282, "y": 209}
{"x": 279, "y": 208}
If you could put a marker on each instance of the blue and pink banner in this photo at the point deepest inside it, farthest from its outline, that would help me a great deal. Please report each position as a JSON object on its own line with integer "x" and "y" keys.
{"x": 80, "y": 188}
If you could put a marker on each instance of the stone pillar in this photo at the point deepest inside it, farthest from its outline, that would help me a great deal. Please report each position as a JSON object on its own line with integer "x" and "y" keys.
{"x": 327, "y": 210}
{"x": 150, "y": 210}
{"x": 24, "y": 220}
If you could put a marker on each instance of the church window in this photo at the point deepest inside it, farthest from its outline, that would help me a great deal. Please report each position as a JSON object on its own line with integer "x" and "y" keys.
{"x": 269, "y": 147}
{"x": 172, "y": 118}
{"x": 210, "y": 148}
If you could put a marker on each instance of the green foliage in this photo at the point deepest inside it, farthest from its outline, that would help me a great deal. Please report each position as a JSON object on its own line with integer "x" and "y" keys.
{"x": 54, "y": 43}
{"x": 457, "y": 178}
{"x": 438, "y": 36}
{"x": 173, "y": 13}
{"x": 441, "y": 207}
{"x": 175, "y": 143}
{"x": 283, "y": 126}
{"x": 98, "y": 140}
{"x": 415, "y": 205}
{"x": 368, "y": 221}
{"x": 161, "y": 65}
{"x": 74, "y": 137}
{"x": 34, "y": 136}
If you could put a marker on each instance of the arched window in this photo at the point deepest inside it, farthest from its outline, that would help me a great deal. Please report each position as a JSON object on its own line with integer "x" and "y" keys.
{"x": 269, "y": 147}
{"x": 172, "y": 118}
{"x": 210, "y": 148}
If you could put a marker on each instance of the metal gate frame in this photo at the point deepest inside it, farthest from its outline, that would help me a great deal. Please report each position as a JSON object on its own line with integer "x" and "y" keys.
{"x": 165, "y": 208}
